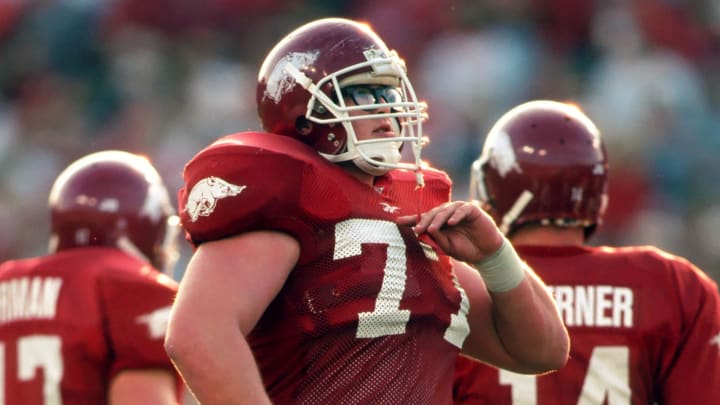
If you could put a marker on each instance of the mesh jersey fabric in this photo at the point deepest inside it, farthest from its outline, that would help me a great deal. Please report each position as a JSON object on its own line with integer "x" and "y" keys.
{"x": 370, "y": 314}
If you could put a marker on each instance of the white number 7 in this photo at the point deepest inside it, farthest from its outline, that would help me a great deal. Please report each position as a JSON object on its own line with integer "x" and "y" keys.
{"x": 36, "y": 352}
{"x": 387, "y": 318}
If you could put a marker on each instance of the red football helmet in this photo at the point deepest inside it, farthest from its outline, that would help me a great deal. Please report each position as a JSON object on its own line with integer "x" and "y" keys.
{"x": 114, "y": 198}
{"x": 543, "y": 162}
{"x": 299, "y": 94}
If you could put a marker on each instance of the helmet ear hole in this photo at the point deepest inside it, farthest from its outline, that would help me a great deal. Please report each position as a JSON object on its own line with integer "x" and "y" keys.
{"x": 303, "y": 126}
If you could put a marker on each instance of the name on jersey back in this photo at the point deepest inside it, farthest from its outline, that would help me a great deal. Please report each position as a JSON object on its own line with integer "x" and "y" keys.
{"x": 29, "y": 298}
{"x": 594, "y": 305}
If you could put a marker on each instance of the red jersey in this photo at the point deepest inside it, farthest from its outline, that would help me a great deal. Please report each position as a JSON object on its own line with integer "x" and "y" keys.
{"x": 644, "y": 328}
{"x": 71, "y": 321}
{"x": 370, "y": 314}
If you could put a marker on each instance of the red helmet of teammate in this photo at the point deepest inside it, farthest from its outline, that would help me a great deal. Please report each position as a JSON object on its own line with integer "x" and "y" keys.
{"x": 114, "y": 198}
{"x": 306, "y": 77}
{"x": 543, "y": 162}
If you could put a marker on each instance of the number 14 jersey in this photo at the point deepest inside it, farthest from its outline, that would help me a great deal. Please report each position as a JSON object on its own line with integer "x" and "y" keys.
{"x": 644, "y": 328}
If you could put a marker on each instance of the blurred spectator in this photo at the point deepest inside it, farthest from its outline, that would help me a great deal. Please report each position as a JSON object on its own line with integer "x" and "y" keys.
{"x": 469, "y": 78}
{"x": 78, "y": 76}
{"x": 651, "y": 105}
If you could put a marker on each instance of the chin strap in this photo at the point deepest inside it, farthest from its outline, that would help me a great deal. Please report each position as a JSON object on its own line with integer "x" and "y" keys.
{"x": 515, "y": 211}
{"x": 419, "y": 179}
{"x": 382, "y": 152}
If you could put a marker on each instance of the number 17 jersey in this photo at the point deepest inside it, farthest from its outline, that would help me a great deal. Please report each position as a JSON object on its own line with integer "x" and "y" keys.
{"x": 71, "y": 321}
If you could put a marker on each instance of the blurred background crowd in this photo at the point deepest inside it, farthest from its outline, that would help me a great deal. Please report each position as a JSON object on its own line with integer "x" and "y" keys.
{"x": 166, "y": 77}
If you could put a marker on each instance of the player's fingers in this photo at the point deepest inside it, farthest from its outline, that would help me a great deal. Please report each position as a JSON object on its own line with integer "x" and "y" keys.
{"x": 407, "y": 219}
{"x": 440, "y": 218}
{"x": 462, "y": 211}
{"x": 426, "y": 218}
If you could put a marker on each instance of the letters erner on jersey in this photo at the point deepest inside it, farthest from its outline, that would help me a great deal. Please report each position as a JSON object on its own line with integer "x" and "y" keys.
{"x": 29, "y": 298}
{"x": 594, "y": 305}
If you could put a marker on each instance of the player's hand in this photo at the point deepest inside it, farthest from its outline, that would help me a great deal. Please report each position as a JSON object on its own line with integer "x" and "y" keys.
{"x": 461, "y": 229}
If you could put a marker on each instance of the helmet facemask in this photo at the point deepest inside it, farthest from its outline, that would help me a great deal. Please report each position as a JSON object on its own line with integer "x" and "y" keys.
{"x": 375, "y": 156}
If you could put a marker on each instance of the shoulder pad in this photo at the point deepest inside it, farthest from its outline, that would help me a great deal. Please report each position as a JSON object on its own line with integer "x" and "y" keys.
{"x": 250, "y": 181}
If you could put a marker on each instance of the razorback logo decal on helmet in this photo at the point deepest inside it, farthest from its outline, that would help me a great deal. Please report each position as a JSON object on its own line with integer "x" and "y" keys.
{"x": 280, "y": 81}
{"x": 205, "y": 194}
{"x": 157, "y": 201}
{"x": 503, "y": 156}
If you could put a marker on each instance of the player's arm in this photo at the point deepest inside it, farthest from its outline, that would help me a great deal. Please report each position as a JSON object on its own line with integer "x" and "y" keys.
{"x": 693, "y": 359}
{"x": 514, "y": 323}
{"x": 525, "y": 336}
{"x": 227, "y": 286}
{"x": 143, "y": 387}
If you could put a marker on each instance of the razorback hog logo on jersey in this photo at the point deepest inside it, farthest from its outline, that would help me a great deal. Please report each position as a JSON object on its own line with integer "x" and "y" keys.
{"x": 156, "y": 321}
{"x": 716, "y": 340}
{"x": 205, "y": 194}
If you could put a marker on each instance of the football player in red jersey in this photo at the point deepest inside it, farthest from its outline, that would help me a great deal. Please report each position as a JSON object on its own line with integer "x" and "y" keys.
{"x": 85, "y": 324}
{"x": 308, "y": 283}
{"x": 644, "y": 324}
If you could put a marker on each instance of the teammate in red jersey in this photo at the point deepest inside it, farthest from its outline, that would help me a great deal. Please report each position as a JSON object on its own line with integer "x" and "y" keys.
{"x": 85, "y": 324}
{"x": 308, "y": 283}
{"x": 644, "y": 324}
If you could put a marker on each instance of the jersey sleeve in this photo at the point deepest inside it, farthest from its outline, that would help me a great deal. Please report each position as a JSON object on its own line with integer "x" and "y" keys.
{"x": 692, "y": 369}
{"x": 255, "y": 181}
{"x": 137, "y": 309}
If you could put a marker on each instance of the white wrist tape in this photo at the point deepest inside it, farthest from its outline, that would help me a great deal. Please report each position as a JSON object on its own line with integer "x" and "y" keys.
{"x": 503, "y": 270}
